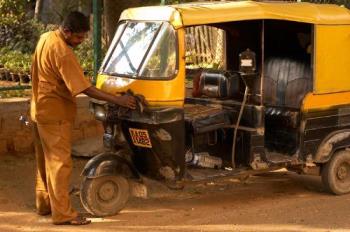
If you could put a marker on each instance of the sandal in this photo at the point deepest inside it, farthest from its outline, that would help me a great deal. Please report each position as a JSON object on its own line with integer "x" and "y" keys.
{"x": 78, "y": 221}
{"x": 44, "y": 213}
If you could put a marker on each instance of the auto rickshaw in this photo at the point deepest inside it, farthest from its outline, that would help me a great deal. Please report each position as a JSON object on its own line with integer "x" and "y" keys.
{"x": 277, "y": 96}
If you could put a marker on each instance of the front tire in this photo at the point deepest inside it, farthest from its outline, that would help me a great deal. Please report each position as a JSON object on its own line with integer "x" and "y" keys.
{"x": 336, "y": 173}
{"x": 105, "y": 195}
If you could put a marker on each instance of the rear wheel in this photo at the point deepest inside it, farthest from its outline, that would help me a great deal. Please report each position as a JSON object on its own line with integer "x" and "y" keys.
{"x": 105, "y": 195}
{"x": 336, "y": 173}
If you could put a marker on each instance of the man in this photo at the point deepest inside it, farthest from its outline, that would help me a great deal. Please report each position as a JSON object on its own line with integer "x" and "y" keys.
{"x": 56, "y": 79}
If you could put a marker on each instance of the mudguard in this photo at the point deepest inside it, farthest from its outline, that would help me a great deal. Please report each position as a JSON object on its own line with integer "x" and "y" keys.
{"x": 107, "y": 164}
{"x": 333, "y": 142}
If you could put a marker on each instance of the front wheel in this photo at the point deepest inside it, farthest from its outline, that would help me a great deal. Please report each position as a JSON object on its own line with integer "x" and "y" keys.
{"x": 336, "y": 173}
{"x": 105, "y": 195}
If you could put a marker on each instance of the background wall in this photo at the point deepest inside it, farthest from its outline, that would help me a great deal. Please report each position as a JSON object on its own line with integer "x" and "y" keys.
{"x": 17, "y": 139}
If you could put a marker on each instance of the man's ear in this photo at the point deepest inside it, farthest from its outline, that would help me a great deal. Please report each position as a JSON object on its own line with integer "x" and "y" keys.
{"x": 67, "y": 32}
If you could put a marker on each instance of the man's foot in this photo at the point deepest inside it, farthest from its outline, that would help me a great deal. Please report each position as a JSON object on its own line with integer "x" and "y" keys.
{"x": 43, "y": 213}
{"x": 78, "y": 221}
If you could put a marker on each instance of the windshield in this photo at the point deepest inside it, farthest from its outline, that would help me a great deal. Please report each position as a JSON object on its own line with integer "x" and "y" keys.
{"x": 143, "y": 49}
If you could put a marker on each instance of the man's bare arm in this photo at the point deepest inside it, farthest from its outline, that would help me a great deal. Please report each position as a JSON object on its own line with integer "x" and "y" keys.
{"x": 125, "y": 100}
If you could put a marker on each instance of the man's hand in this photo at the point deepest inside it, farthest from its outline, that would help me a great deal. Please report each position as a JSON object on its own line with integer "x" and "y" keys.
{"x": 126, "y": 101}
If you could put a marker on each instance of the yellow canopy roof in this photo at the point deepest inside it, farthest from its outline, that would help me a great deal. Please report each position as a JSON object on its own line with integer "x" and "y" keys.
{"x": 217, "y": 12}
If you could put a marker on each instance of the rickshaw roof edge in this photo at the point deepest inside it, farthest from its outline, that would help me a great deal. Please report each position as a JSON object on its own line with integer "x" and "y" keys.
{"x": 218, "y": 12}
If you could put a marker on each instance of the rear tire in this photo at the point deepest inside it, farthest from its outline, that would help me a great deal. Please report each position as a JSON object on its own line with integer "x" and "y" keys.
{"x": 336, "y": 173}
{"x": 105, "y": 195}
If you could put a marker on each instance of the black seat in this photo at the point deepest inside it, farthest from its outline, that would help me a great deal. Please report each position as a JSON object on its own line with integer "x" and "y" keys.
{"x": 286, "y": 82}
{"x": 295, "y": 92}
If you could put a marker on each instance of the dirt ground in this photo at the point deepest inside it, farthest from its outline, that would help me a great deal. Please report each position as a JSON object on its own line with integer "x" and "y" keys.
{"x": 276, "y": 201}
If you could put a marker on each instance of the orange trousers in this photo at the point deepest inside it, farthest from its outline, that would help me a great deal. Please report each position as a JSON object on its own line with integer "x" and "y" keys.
{"x": 54, "y": 167}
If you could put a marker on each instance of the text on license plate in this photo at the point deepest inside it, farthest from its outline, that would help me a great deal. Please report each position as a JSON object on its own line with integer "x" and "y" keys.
{"x": 140, "y": 137}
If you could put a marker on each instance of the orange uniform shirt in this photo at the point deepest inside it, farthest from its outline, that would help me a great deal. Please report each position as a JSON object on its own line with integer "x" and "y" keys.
{"x": 57, "y": 78}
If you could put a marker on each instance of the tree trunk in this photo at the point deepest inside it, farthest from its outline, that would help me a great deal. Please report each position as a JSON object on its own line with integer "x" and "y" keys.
{"x": 38, "y": 9}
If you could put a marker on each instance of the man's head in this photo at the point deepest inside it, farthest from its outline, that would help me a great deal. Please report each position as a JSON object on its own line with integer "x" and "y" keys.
{"x": 74, "y": 28}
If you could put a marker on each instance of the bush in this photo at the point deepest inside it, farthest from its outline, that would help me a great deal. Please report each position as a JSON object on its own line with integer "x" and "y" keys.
{"x": 15, "y": 61}
{"x": 85, "y": 55}
{"x": 18, "y": 30}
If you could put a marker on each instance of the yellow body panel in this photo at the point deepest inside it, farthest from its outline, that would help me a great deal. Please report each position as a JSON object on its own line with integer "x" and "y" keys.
{"x": 154, "y": 13}
{"x": 314, "y": 102}
{"x": 157, "y": 92}
{"x": 216, "y": 12}
{"x": 331, "y": 68}
{"x": 332, "y": 59}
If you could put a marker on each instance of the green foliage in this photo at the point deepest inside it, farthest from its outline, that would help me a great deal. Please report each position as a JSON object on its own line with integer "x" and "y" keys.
{"x": 12, "y": 11}
{"x": 85, "y": 55}
{"x": 17, "y": 30}
{"x": 15, "y": 61}
{"x": 15, "y": 93}
{"x": 25, "y": 38}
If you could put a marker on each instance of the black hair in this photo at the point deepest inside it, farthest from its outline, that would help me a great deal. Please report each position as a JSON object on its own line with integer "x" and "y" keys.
{"x": 76, "y": 22}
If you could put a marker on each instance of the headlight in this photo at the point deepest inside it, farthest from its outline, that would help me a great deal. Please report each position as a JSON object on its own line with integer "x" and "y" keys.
{"x": 100, "y": 113}
{"x": 99, "y": 110}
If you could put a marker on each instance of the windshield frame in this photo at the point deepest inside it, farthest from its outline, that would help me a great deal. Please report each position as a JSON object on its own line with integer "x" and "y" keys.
{"x": 137, "y": 76}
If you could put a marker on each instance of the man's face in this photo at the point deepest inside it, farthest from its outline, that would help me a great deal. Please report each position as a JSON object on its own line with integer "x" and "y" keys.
{"x": 73, "y": 38}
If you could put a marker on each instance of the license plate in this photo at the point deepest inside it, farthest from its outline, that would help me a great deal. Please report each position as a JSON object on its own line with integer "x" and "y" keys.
{"x": 140, "y": 137}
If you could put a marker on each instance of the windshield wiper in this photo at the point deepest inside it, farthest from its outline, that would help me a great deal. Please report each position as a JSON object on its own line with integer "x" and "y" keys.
{"x": 118, "y": 74}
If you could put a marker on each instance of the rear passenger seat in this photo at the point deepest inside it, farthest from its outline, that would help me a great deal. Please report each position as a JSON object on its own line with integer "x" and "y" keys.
{"x": 286, "y": 82}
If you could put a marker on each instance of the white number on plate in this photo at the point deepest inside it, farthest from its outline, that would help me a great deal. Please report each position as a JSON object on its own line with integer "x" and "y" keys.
{"x": 140, "y": 137}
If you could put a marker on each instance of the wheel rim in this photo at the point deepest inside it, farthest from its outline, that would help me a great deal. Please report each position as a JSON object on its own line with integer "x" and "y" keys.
{"x": 108, "y": 192}
{"x": 343, "y": 172}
